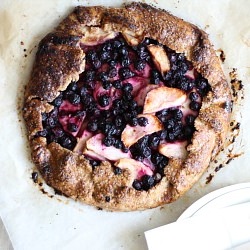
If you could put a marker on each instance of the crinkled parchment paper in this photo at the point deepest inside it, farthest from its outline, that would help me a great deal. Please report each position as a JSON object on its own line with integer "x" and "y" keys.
{"x": 35, "y": 220}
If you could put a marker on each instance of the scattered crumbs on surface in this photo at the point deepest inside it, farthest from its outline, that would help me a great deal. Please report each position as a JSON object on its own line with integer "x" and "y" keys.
{"x": 231, "y": 150}
{"x": 218, "y": 167}
{"x": 24, "y": 50}
{"x": 209, "y": 178}
{"x": 236, "y": 85}
{"x": 161, "y": 208}
{"x": 22, "y": 43}
{"x": 56, "y": 213}
{"x": 206, "y": 27}
{"x": 34, "y": 176}
{"x": 99, "y": 208}
{"x": 25, "y": 55}
{"x": 74, "y": 228}
{"x": 150, "y": 218}
{"x": 222, "y": 55}
{"x": 58, "y": 192}
{"x": 138, "y": 235}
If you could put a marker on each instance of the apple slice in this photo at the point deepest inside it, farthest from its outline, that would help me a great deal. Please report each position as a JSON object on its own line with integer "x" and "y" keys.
{"x": 131, "y": 135}
{"x": 163, "y": 98}
{"x": 79, "y": 148}
{"x": 93, "y": 155}
{"x": 159, "y": 57}
{"x": 140, "y": 98}
{"x": 174, "y": 150}
{"x": 137, "y": 169}
{"x": 95, "y": 35}
{"x": 111, "y": 153}
{"x": 130, "y": 38}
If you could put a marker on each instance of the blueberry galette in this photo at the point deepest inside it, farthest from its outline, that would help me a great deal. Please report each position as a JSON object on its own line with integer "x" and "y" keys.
{"x": 125, "y": 107}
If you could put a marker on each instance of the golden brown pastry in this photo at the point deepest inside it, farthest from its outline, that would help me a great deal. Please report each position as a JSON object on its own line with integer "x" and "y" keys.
{"x": 125, "y": 107}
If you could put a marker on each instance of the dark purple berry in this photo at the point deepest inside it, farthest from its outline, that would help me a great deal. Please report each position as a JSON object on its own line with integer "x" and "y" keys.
{"x": 117, "y": 84}
{"x": 117, "y": 171}
{"x": 94, "y": 163}
{"x": 58, "y": 132}
{"x": 127, "y": 87}
{"x": 193, "y": 96}
{"x": 126, "y": 73}
{"x": 142, "y": 121}
{"x": 108, "y": 141}
{"x": 89, "y": 75}
{"x": 107, "y": 198}
{"x": 58, "y": 101}
{"x": 137, "y": 185}
{"x": 133, "y": 122}
{"x": 103, "y": 76}
{"x": 140, "y": 65}
{"x": 97, "y": 64}
{"x": 147, "y": 182}
{"x": 112, "y": 72}
{"x": 195, "y": 106}
{"x": 92, "y": 126}
{"x": 42, "y": 133}
{"x": 72, "y": 127}
{"x": 123, "y": 51}
{"x": 106, "y": 85}
{"x": 190, "y": 119}
{"x": 74, "y": 98}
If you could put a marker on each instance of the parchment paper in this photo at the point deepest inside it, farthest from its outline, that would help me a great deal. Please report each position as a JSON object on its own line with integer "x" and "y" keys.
{"x": 36, "y": 221}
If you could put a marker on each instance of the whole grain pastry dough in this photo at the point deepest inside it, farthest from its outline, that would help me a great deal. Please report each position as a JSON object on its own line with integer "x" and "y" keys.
{"x": 125, "y": 107}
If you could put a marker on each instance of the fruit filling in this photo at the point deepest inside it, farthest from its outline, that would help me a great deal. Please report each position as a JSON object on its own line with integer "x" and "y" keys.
{"x": 134, "y": 106}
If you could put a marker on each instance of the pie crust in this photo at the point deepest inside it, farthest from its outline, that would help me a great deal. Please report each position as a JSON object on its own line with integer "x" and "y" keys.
{"x": 60, "y": 60}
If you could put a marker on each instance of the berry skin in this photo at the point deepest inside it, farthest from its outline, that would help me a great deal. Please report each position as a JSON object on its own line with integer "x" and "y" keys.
{"x": 103, "y": 100}
{"x": 142, "y": 121}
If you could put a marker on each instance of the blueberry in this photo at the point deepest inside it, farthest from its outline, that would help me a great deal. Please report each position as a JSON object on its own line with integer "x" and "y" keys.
{"x": 133, "y": 105}
{"x": 117, "y": 44}
{"x": 106, "y": 85}
{"x": 147, "y": 182}
{"x": 67, "y": 142}
{"x": 112, "y": 62}
{"x": 74, "y": 98}
{"x": 142, "y": 121}
{"x": 154, "y": 141}
{"x": 107, "y": 198}
{"x": 94, "y": 163}
{"x": 177, "y": 114}
{"x": 97, "y": 64}
{"x": 140, "y": 65}
{"x": 155, "y": 77}
{"x": 58, "y": 101}
{"x": 112, "y": 72}
{"x": 58, "y": 132}
{"x": 103, "y": 76}
{"x": 72, "y": 86}
{"x": 188, "y": 131}
{"x": 126, "y": 73}
{"x": 125, "y": 61}
{"x": 107, "y": 46}
{"x": 137, "y": 185}
{"x": 123, "y": 51}
{"x": 42, "y": 133}
{"x": 89, "y": 75}
{"x": 117, "y": 171}
{"x": 190, "y": 119}
{"x": 195, "y": 106}
{"x": 117, "y": 84}
{"x": 50, "y": 122}
{"x": 118, "y": 144}
{"x": 72, "y": 127}
{"x": 91, "y": 56}
{"x": 103, "y": 100}
{"x": 146, "y": 152}
{"x": 92, "y": 126}
{"x": 193, "y": 96}
{"x": 104, "y": 56}
{"x": 108, "y": 141}
{"x": 118, "y": 121}
{"x": 127, "y": 87}
{"x": 133, "y": 122}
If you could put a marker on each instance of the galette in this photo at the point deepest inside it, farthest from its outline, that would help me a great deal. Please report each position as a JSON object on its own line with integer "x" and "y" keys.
{"x": 125, "y": 107}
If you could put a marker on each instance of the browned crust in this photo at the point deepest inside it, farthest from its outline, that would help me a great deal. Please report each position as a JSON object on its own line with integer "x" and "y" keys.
{"x": 59, "y": 60}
